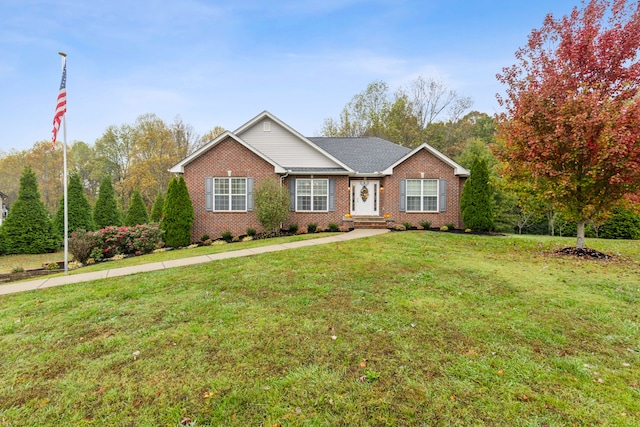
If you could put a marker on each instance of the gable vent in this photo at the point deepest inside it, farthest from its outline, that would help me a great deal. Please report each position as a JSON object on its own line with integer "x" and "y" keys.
{"x": 266, "y": 126}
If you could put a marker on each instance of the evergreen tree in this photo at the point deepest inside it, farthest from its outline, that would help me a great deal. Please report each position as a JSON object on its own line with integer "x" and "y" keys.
{"x": 79, "y": 215}
{"x": 137, "y": 213}
{"x": 156, "y": 210}
{"x": 106, "y": 211}
{"x": 475, "y": 203}
{"x": 27, "y": 228}
{"x": 178, "y": 214}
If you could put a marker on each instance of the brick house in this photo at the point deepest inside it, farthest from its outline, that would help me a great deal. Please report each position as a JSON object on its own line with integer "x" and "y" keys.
{"x": 352, "y": 182}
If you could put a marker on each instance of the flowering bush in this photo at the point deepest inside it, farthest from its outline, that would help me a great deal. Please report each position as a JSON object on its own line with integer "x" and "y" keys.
{"x": 111, "y": 241}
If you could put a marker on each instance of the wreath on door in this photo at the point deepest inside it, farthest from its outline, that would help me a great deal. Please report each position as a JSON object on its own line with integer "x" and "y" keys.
{"x": 364, "y": 193}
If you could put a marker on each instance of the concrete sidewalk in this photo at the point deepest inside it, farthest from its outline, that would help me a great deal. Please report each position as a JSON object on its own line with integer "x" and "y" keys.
{"x": 124, "y": 271}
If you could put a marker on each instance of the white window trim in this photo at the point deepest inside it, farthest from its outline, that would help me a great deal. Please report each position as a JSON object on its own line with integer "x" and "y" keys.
{"x": 230, "y": 195}
{"x": 422, "y": 196}
{"x": 312, "y": 195}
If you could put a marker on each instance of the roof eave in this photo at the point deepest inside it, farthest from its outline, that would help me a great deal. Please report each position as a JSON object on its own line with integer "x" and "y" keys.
{"x": 457, "y": 169}
{"x": 179, "y": 167}
{"x": 267, "y": 114}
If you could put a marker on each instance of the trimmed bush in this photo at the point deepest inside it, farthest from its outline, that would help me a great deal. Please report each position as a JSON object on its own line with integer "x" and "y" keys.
{"x": 425, "y": 224}
{"x": 227, "y": 236}
{"x": 137, "y": 213}
{"x": 156, "y": 210}
{"x": 105, "y": 212}
{"x": 312, "y": 227}
{"x": 27, "y": 228}
{"x": 332, "y": 226}
{"x": 111, "y": 241}
{"x": 407, "y": 225}
{"x": 178, "y": 214}
{"x": 293, "y": 228}
{"x": 476, "y": 200}
{"x": 251, "y": 232}
{"x": 79, "y": 215}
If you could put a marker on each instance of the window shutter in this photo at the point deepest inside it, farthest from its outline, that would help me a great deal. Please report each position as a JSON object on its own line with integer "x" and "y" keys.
{"x": 208, "y": 194}
{"x": 249, "y": 194}
{"x": 292, "y": 194}
{"x": 443, "y": 195}
{"x": 332, "y": 195}
{"x": 403, "y": 195}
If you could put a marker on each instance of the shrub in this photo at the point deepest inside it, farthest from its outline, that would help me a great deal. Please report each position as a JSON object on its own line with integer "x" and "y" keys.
{"x": 332, "y": 226}
{"x": 105, "y": 212}
{"x": 79, "y": 209}
{"x": 272, "y": 204}
{"x": 444, "y": 228}
{"x": 144, "y": 238}
{"x": 312, "y": 227}
{"x": 27, "y": 228}
{"x": 227, "y": 236}
{"x": 623, "y": 224}
{"x": 111, "y": 241}
{"x": 81, "y": 244}
{"x": 476, "y": 200}
{"x": 137, "y": 213}
{"x": 450, "y": 226}
{"x": 407, "y": 225}
{"x": 204, "y": 238}
{"x": 178, "y": 214}
{"x": 156, "y": 210}
{"x": 425, "y": 224}
{"x": 293, "y": 228}
{"x": 52, "y": 266}
{"x": 251, "y": 232}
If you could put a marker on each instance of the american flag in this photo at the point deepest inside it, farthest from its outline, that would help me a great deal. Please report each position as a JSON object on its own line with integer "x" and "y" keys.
{"x": 61, "y": 107}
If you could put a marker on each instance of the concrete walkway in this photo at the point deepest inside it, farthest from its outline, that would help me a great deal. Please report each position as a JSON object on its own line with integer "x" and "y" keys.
{"x": 124, "y": 271}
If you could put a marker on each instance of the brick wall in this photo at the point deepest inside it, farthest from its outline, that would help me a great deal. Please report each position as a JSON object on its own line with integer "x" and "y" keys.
{"x": 227, "y": 155}
{"x": 433, "y": 168}
{"x": 323, "y": 218}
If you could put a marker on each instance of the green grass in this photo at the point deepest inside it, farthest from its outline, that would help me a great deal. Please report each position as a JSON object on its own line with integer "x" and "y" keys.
{"x": 413, "y": 328}
{"x": 9, "y": 262}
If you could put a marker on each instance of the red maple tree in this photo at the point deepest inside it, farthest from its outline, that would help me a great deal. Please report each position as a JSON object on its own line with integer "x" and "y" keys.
{"x": 571, "y": 126}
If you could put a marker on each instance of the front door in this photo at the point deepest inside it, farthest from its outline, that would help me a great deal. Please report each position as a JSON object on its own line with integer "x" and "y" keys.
{"x": 365, "y": 198}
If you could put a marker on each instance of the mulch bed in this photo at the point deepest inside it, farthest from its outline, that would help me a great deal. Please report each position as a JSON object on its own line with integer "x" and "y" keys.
{"x": 585, "y": 253}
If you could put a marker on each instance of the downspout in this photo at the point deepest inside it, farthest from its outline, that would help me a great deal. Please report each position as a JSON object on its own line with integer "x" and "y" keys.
{"x": 282, "y": 177}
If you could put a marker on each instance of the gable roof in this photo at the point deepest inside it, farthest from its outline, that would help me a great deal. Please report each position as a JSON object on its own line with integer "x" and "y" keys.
{"x": 179, "y": 167}
{"x": 458, "y": 170}
{"x": 380, "y": 153}
{"x": 287, "y": 146}
{"x": 342, "y": 156}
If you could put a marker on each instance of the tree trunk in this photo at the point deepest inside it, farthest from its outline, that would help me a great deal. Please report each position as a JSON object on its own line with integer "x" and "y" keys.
{"x": 580, "y": 241}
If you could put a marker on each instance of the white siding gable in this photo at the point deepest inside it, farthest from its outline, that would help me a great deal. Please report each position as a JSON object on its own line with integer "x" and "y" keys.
{"x": 285, "y": 148}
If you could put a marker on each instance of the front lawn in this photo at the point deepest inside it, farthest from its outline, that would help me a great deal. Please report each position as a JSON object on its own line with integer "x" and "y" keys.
{"x": 412, "y": 328}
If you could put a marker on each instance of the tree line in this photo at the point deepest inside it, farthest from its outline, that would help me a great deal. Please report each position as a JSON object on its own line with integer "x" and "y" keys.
{"x": 136, "y": 156}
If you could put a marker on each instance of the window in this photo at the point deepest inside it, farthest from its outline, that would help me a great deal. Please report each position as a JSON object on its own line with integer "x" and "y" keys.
{"x": 312, "y": 194}
{"x": 230, "y": 194}
{"x": 422, "y": 195}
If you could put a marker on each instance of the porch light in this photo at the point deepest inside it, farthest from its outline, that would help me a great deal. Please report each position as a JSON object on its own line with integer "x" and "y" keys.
{"x": 382, "y": 189}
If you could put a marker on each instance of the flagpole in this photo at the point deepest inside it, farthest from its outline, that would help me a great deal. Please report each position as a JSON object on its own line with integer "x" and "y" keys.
{"x": 66, "y": 204}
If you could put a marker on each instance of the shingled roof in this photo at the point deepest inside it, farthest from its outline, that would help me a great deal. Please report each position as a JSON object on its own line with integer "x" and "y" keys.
{"x": 363, "y": 155}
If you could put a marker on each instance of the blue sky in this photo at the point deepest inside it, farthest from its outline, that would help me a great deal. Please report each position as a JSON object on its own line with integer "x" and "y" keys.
{"x": 223, "y": 62}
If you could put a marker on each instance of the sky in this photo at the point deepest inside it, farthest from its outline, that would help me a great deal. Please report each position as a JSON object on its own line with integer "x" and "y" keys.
{"x": 220, "y": 63}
